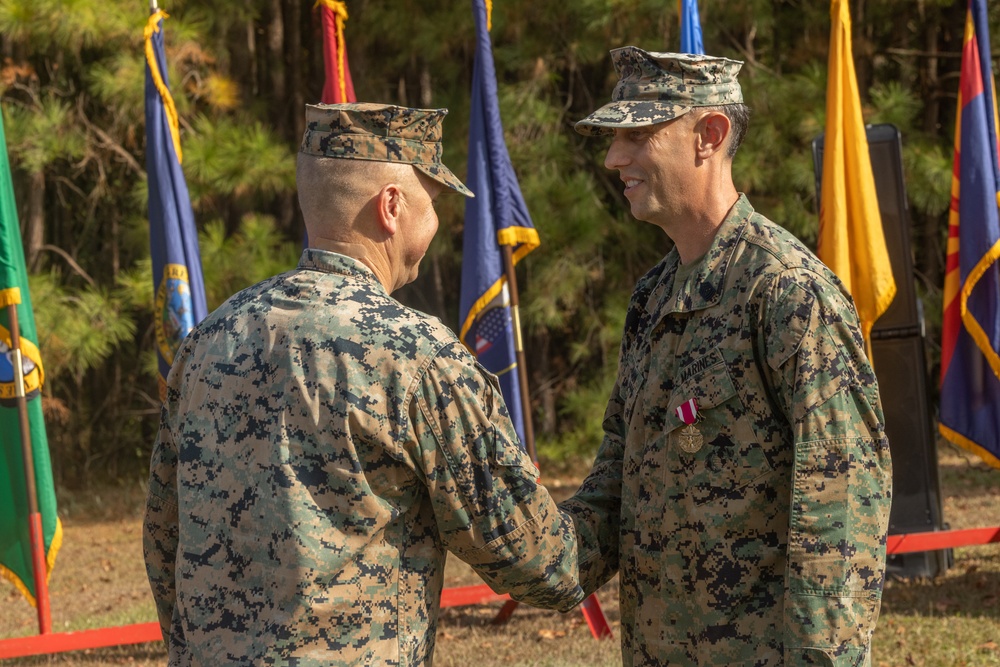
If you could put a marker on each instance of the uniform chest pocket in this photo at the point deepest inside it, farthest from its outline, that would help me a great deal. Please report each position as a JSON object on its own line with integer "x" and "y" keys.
{"x": 720, "y": 456}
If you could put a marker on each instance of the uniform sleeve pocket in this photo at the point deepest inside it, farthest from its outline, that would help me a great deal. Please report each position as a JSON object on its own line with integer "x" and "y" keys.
{"x": 511, "y": 454}
{"x": 504, "y": 446}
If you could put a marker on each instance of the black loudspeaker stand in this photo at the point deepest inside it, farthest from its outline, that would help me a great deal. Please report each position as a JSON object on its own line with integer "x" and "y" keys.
{"x": 901, "y": 368}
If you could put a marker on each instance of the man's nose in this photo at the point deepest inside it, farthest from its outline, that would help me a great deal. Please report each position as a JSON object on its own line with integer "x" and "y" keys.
{"x": 617, "y": 157}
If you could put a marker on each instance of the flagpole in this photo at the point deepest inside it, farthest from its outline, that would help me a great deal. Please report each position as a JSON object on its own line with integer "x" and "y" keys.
{"x": 39, "y": 567}
{"x": 152, "y": 6}
{"x": 522, "y": 367}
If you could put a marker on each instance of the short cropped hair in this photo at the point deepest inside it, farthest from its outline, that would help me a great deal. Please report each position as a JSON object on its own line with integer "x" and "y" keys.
{"x": 330, "y": 188}
{"x": 739, "y": 119}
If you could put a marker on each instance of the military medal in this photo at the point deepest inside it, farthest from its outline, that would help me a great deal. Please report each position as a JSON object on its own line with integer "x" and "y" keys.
{"x": 690, "y": 438}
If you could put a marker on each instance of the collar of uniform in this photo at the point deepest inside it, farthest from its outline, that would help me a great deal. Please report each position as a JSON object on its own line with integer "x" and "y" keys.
{"x": 328, "y": 261}
{"x": 704, "y": 286}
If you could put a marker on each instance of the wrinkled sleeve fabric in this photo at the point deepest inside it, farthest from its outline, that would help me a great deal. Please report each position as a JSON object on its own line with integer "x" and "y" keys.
{"x": 160, "y": 527}
{"x": 490, "y": 509}
{"x": 842, "y": 475}
{"x": 596, "y": 506}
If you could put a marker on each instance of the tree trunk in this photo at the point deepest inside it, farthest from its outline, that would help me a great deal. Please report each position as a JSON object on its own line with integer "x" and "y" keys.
{"x": 426, "y": 92}
{"x": 36, "y": 219}
{"x": 115, "y": 252}
{"x": 544, "y": 387}
{"x": 929, "y": 75}
{"x": 295, "y": 54}
{"x": 401, "y": 91}
{"x": 439, "y": 305}
{"x": 252, "y": 57}
{"x": 929, "y": 253}
{"x": 276, "y": 65}
{"x": 862, "y": 40}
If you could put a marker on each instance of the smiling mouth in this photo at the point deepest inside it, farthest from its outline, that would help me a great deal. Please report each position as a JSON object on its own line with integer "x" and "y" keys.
{"x": 631, "y": 183}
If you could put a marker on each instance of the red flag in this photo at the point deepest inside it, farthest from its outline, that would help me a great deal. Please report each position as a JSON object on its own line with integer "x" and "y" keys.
{"x": 338, "y": 87}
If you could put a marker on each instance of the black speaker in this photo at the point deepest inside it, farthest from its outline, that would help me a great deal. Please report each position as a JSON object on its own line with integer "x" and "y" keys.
{"x": 885, "y": 147}
{"x": 900, "y": 365}
{"x": 901, "y": 371}
{"x": 916, "y": 489}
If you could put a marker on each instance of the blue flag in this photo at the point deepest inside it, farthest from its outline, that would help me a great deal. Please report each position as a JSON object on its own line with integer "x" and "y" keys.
{"x": 970, "y": 338}
{"x": 173, "y": 239}
{"x": 496, "y": 216}
{"x": 690, "y": 27}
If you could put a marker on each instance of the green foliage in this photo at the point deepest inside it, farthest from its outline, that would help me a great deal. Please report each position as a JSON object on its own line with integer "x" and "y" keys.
{"x": 72, "y": 89}
{"x": 135, "y": 287}
{"x": 72, "y": 345}
{"x": 231, "y": 263}
{"x": 67, "y": 24}
{"x": 584, "y": 410}
{"x": 237, "y": 158}
{"x": 38, "y": 136}
{"x": 120, "y": 83}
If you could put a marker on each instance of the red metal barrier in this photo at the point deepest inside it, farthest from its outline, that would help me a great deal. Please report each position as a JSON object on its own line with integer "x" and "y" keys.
{"x": 150, "y": 632}
{"x": 944, "y": 539}
{"x": 450, "y": 597}
{"x": 466, "y": 595}
{"x": 58, "y": 642}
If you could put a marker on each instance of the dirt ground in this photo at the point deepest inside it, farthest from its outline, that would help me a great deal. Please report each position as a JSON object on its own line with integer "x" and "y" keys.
{"x": 949, "y": 621}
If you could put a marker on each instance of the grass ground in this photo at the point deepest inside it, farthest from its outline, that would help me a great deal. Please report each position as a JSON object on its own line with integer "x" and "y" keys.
{"x": 949, "y": 621}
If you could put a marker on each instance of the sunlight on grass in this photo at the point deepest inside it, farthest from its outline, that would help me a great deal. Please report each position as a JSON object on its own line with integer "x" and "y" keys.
{"x": 143, "y": 612}
{"x": 938, "y": 641}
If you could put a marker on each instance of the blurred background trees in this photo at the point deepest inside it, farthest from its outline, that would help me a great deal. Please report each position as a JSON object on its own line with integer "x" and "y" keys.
{"x": 71, "y": 83}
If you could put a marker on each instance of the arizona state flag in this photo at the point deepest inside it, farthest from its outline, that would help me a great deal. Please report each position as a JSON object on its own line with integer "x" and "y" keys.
{"x": 173, "y": 239}
{"x": 496, "y": 216}
{"x": 338, "y": 88}
{"x": 970, "y": 339}
{"x": 15, "y": 541}
{"x": 851, "y": 240}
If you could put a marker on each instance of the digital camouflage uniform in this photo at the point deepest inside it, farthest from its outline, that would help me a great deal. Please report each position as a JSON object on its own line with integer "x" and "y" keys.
{"x": 766, "y": 544}
{"x": 321, "y": 446}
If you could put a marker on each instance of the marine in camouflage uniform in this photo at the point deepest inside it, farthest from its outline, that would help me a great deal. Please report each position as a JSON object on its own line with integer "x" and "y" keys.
{"x": 321, "y": 446}
{"x": 755, "y": 535}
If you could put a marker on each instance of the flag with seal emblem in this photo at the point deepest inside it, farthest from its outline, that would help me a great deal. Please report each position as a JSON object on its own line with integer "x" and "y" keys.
{"x": 496, "y": 216}
{"x": 15, "y": 541}
{"x": 178, "y": 286}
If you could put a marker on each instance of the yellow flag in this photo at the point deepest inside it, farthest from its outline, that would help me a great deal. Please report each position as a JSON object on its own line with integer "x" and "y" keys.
{"x": 851, "y": 241}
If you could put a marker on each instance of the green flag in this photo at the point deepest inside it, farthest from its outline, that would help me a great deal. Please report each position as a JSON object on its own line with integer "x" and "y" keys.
{"x": 15, "y": 544}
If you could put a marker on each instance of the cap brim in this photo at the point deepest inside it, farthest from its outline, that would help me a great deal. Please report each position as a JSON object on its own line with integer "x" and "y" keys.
{"x": 629, "y": 113}
{"x": 443, "y": 175}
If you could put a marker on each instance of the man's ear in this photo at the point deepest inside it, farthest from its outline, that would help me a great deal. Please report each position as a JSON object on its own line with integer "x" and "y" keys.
{"x": 713, "y": 131}
{"x": 389, "y": 205}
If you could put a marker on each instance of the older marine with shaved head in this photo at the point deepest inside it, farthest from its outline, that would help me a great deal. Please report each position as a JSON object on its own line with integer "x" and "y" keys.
{"x": 322, "y": 446}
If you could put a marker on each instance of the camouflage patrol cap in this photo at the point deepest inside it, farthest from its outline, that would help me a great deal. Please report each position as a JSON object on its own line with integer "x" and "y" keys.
{"x": 655, "y": 87}
{"x": 380, "y": 132}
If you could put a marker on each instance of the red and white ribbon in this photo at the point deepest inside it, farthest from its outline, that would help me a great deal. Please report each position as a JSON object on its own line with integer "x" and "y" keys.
{"x": 687, "y": 411}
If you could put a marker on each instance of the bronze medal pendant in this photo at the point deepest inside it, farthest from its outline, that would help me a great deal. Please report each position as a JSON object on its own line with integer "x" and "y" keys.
{"x": 690, "y": 439}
